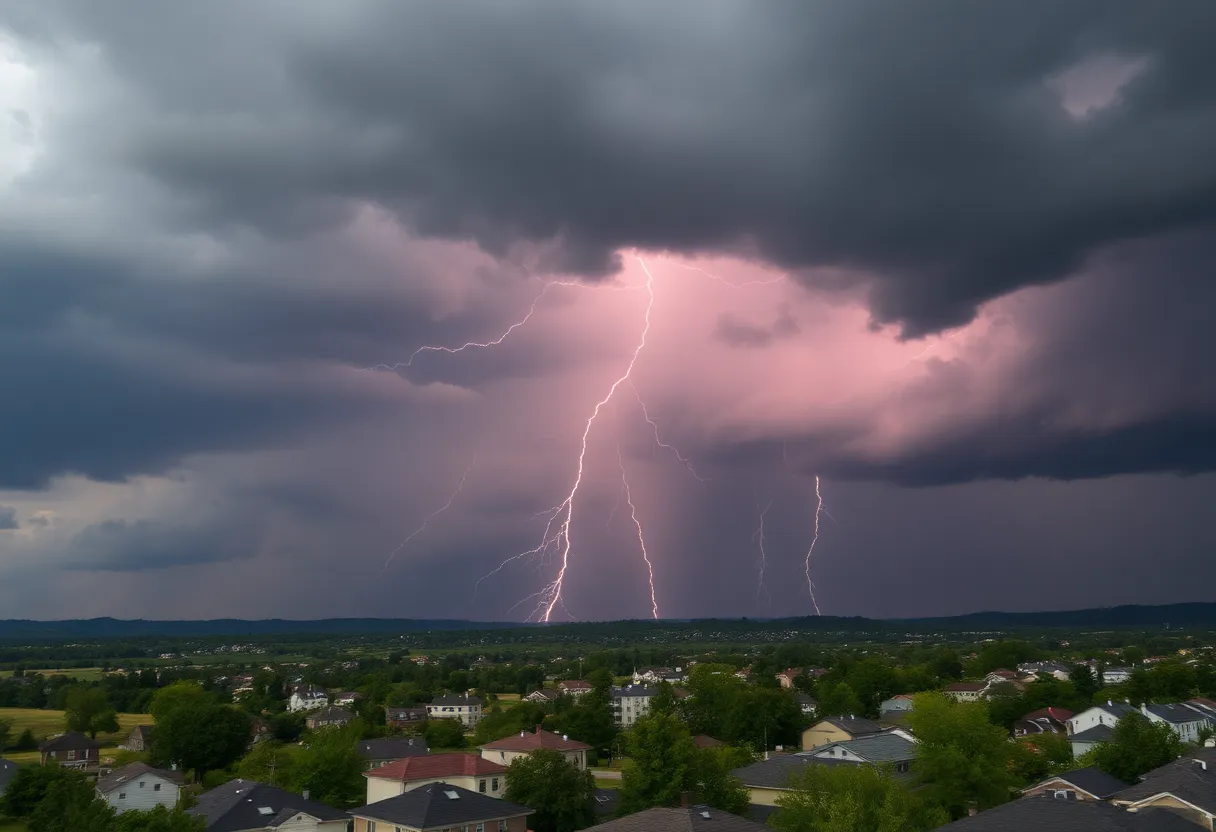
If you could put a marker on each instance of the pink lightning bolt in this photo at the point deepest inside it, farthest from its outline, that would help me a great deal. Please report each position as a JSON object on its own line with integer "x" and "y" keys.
{"x": 633, "y": 513}
{"x": 759, "y": 538}
{"x": 432, "y": 515}
{"x": 658, "y": 441}
{"x": 810, "y": 585}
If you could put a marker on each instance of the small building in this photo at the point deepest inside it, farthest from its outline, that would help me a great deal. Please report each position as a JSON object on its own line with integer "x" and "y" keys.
{"x": 331, "y": 717}
{"x": 1115, "y": 675}
{"x": 405, "y": 717}
{"x": 73, "y": 750}
{"x": 441, "y": 807}
{"x": 837, "y": 729}
{"x": 249, "y": 806}
{"x": 544, "y": 695}
{"x": 769, "y": 779}
{"x": 347, "y": 698}
{"x": 462, "y": 706}
{"x": 574, "y": 687}
{"x": 307, "y": 698}
{"x": 1054, "y": 669}
{"x": 706, "y": 741}
{"x": 508, "y": 749}
{"x": 1043, "y": 721}
{"x": 631, "y": 703}
{"x": 897, "y": 705}
{"x": 806, "y": 704}
{"x": 469, "y": 771}
{"x": 1048, "y": 812}
{"x": 683, "y": 819}
{"x": 1078, "y": 784}
{"x": 786, "y": 677}
{"x": 140, "y": 739}
{"x": 1184, "y": 720}
{"x": 381, "y": 752}
{"x": 965, "y": 691}
{"x": 139, "y": 786}
{"x": 889, "y": 749}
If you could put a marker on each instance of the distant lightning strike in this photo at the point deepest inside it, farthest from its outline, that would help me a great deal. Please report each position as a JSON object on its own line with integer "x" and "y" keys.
{"x": 422, "y": 527}
{"x": 633, "y": 514}
{"x": 759, "y": 538}
{"x": 810, "y": 585}
{"x": 687, "y": 463}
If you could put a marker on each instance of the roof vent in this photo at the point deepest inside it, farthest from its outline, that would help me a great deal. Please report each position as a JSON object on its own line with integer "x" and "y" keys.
{"x": 265, "y": 810}
{"x": 705, "y": 815}
{"x": 452, "y": 795}
{"x": 565, "y": 737}
{"x": 1109, "y": 704}
{"x": 1203, "y": 764}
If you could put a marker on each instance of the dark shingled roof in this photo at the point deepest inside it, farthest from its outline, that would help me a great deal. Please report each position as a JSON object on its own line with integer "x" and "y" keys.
{"x": 456, "y": 699}
{"x": 1177, "y": 714}
{"x": 876, "y": 748}
{"x": 854, "y": 725}
{"x": 71, "y": 741}
{"x": 392, "y": 748}
{"x": 689, "y": 819}
{"x": 1099, "y": 733}
{"x": 239, "y": 805}
{"x": 775, "y": 772}
{"x": 127, "y": 773}
{"x": 1185, "y": 778}
{"x": 440, "y": 805}
{"x": 1049, "y": 814}
{"x": 1090, "y": 780}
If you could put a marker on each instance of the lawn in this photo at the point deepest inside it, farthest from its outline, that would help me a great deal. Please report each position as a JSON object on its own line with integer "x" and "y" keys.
{"x": 84, "y": 674}
{"x": 45, "y": 723}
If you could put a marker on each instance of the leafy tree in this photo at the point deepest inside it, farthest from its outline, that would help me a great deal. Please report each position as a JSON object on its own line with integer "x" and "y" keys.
{"x": 563, "y": 796}
{"x": 159, "y": 819}
{"x": 329, "y": 767}
{"x": 664, "y": 699}
{"x": 661, "y": 752}
{"x": 70, "y": 803}
{"x": 27, "y": 741}
{"x": 839, "y": 699}
{"x": 287, "y": 727}
{"x": 710, "y": 780}
{"x": 853, "y": 799}
{"x": 1083, "y": 680}
{"x": 503, "y": 722}
{"x": 761, "y": 715}
{"x": 6, "y": 731}
{"x": 444, "y": 733}
{"x": 27, "y": 789}
{"x": 267, "y": 762}
{"x": 1136, "y": 747}
{"x": 962, "y": 758}
{"x": 1040, "y": 756}
{"x": 589, "y": 720}
{"x": 89, "y": 711}
{"x": 200, "y": 738}
{"x": 180, "y": 695}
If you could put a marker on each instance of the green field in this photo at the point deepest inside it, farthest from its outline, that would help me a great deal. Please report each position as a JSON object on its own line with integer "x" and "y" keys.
{"x": 84, "y": 674}
{"x": 45, "y": 723}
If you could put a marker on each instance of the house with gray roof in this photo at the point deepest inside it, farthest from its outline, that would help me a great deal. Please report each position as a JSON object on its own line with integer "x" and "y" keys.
{"x": 138, "y": 786}
{"x": 249, "y": 806}
{"x": 460, "y": 706}
{"x": 442, "y": 806}
{"x": 379, "y": 752}
{"x": 767, "y": 780}
{"x": 1186, "y": 786}
{"x": 684, "y": 819}
{"x": 1094, "y": 725}
{"x": 1184, "y": 720}
{"x": 1051, "y": 814}
{"x": 1083, "y": 783}
{"x": 888, "y": 749}
{"x": 631, "y": 703}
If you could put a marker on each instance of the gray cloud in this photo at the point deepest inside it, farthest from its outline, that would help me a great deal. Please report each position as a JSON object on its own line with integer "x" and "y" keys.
{"x": 8, "y": 518}
{"x": 739, "y": 333}
{"x": 121, "y": 546}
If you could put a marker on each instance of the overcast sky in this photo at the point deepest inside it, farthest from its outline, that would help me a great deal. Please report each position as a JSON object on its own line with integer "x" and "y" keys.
{"x": 953, "y": 259}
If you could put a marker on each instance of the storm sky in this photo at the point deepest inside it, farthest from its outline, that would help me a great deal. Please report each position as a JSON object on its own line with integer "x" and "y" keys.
{"x": 954, "y": 259}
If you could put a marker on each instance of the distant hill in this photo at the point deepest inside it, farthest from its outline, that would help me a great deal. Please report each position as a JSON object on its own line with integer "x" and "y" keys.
{"x": 1192, "y": 616}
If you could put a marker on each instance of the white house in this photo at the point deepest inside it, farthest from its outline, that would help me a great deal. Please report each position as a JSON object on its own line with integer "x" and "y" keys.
{"x": 1185, "y": 720}
{"x": 1115, "y": 675}
{"x": 1095, "y": 725}
{"x": 654, "y": 675}
{"x": 1055, "y": 669}
{"x": 307, "y": 698}
{"x": 139, "y": 786}
{"x": 965, "y": 691}
{"x": 461, "y": 706}
{"x": 631, "y": 703}
{"x": 900, "y": 703}
{"x": 508, "y": 749}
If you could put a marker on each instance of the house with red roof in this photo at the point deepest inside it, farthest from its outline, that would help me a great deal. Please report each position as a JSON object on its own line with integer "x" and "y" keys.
{"x": 1047, "y": 720}
{"x": 465, "y": 770}
{"x": 509, "y": 748}
{"x": 574, "y": 687}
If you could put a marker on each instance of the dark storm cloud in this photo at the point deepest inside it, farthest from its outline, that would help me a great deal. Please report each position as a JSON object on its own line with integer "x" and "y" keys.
{"x": 8, "y": 518}
{"x": 122, "y": 546}
{"x": 921, "y": 143}
{"x": 739, "y": 333}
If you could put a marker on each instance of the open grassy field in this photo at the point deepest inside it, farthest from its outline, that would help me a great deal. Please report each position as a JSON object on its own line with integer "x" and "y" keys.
{"x": 44, "y": 723}
{"x": 84, "y": 674}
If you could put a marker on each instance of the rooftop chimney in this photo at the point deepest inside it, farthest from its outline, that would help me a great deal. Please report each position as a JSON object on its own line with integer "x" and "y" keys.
{"x": 306, "y": 794}
{"x": 565, "y": 737}
{"x": 1109, "y": 704}
{"x": 538, "y": 729}
{"x": 684, "y": 800}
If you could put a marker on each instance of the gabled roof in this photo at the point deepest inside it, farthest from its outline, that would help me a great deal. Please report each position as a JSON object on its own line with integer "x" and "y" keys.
{"x": 964, "y": 687}
{"x": 456, "y": 699}
{"x": 144, "y": 732}
{"x": 1099, "y": 733}
{"x": 1058, "y": 714}
{"x": 392, "y": 748}
{"x": 688, "y": 819}
{"x": 875, "y": 748}
{"x": 1050, "y": 814}
{"x": 439, "y": 806}
{"x": 854, "y": 726}
{"x": 706, "y": 741}
{"x": 574, "y": 684}
{"x": 775, "y": 772}
{"x": 1191, "y": 778}
{"x": 332, "y": 714}
{"x": 435, "y": 766}
{"x": 71, "y": 741}
{"x": 540, "y": 738}
{"x": 122, "y": 776}
{"x": 1092, "y": 781}
{"x": 633, "y": 690}
{"x": 1116, "y": 709}
{"x": 1177, "y": 714}
{"x": 240, "y": 805}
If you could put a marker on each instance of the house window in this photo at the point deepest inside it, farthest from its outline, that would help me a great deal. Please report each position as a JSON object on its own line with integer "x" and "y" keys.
{"x": 71, "y": 755}
{"x": 481, "y": 786}
{"x": 502, "y": 826}
{"x": 494, "y": 785}
{"x": 155, "y": 786}
{"x": 141, "y": 784}
{"x": 481, "y": 827}
{"x": 371, "y": 826}
{"x": 122, "y": 795}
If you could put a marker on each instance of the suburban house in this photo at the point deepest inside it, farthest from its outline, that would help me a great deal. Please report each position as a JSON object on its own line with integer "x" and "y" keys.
{"x": 404, "y": 717}
{"x": 72, "y": 749}
{"x": 139, "y": 786}
{"x": 347, "y": 697}
{"x": 307, "y": 698}
{"x": 786, "y": 677}
{"x": 706, "y": 741}
{"x": 574, "y": 687}
{"x": 1079, "y": 784}
{"x": 467, "y": 771}
{"x": 806, "y": 704}
{"x": 1185, "y": 721}
{"x": 837, "y": 729}
{"x": 997, "y": 677}
{"x": 1051, "y": 813}
{"x": 767, "y": 780}
{"x": 654, "y": 675}
{"x": 440, "y": 807}
{"x": 544, "y": 695}
{"x": 140, "y": 739}
{"x": 1115, "y": 675}
{"x": 248, "y": 806}
{"x": 8, "y": 770}
{"x": 1186, "y": 787}
{"x": 893, "y": 749}
{"x": 331, "y": 717}
{"x": 631, "y": 703}
{"x": 1043, "y": 721}
{"x": 1094, "y": 725}
{"x": 684, "y": 819}
{"x": 965, "y": 691}
{"x": 461, "y": 706}
{"x": 900, "y": 703}
{"x": 382, "y": 751}
{"x": 506, "y": 750}
{"x": 1051, "y": 668}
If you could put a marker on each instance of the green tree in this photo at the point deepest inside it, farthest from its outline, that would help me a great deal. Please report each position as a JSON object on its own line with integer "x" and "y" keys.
{"x": 660, "y": 751}
{"x": 200, "y": 738}
{"x": 27, "y": 741}
{"x": 159, "y": 819}
{"x": 179, "y": 695}
{"x": 329, "y": 767}
{"x": 89, "y": 711}
{"x": 287, "y": 727}
{"x": 503, "y": 722}
{"x": 664, "y": 699}
{"x": 962, "y": 758}
{"x": 839, "y": 699}
{"x": 1136, "y": 747}
{"x": 70, "y": 803}
{"x": 852, "y": 799}
{"x": 588, "y": 720}
{"x": 1035, "y": 758}
{"x": 28, "y": 788}
{"x": 563, "y": 796}
{"x": 6, "y": 732}
{"x": 710, "y": 781}
{"x": 267, "y": 762}
{"x": 444, "y": 733}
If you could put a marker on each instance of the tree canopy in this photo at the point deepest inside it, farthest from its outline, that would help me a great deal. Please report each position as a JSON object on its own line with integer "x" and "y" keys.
{"x": 1136, "y": 746}
{"x": 89, "y": 711}
{"x": 563, "y": 796}
{"x": 962, "y": 759}
{"x": 661, "y": 752}
{"x": 201, "y": 738}
{"x": 853, "y": 799}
